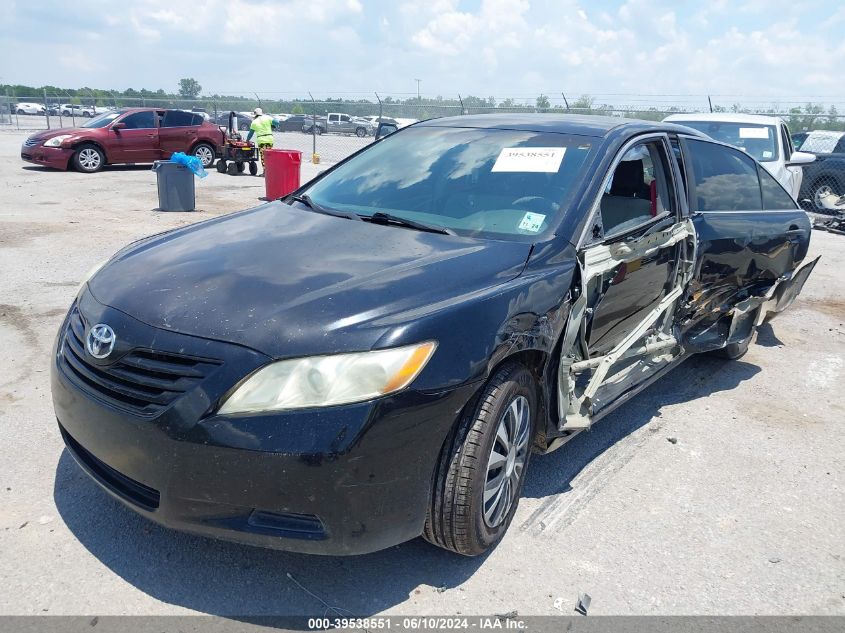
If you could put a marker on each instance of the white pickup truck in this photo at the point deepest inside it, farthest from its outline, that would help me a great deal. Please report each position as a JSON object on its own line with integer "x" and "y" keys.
{"x": 765, "y": 138}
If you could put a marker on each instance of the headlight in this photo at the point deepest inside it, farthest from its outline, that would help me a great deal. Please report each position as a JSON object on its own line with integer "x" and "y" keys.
{"x": 322, "y": 381}
{"x": 56, "y": 141}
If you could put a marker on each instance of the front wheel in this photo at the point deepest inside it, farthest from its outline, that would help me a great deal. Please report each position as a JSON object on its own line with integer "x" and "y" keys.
{"x": 205, "y": 153}
{"x": 21, "y": 111}
{"x": 481, "y": 469}
{"x": 253, "y": 168}
{"x": 88, "y": 159}
{"x": 221, "y": 166}
{"x": 361, "y": 132}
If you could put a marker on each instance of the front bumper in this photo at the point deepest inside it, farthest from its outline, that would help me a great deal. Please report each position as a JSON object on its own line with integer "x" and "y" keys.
{"x": 341, "y": 480}
{"x": 55, "y": 157}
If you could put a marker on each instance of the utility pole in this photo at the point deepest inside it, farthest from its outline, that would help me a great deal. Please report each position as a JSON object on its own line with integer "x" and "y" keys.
{"x": 418, "y": 89}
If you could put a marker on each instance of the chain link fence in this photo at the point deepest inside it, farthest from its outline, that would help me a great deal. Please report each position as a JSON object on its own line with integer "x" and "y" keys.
{"x": 308, "y": 124}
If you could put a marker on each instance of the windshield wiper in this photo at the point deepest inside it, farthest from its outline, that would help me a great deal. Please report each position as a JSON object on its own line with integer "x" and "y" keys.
{"x": 308, "y": 202}
{"x": 386, "y": 218}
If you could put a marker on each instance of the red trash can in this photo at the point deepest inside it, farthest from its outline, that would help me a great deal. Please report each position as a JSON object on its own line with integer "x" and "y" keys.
{"x": 281, "y": 172}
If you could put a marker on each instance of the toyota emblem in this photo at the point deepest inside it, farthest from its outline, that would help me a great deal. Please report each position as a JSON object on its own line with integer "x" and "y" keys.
{"x": 100, "y": 340}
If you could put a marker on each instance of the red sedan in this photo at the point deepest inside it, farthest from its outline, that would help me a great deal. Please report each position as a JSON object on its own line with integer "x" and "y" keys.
{"x": 130, "y": 135}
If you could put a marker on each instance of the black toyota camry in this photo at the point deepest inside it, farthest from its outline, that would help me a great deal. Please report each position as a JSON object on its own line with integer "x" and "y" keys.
{"x": 377, "y": 356}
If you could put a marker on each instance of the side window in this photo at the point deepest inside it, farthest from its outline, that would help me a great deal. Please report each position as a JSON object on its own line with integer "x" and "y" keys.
{"x": 332, "y": 118}
{"x": 140, "y": 120}
{"x": 724, "y": 178}
{"x": 345, "y": 118}
{"x": 177, "y": 118}
{"x": 639, "y": 189}
{"x": 775, "y": 196}
{"x": 840, "y": 146}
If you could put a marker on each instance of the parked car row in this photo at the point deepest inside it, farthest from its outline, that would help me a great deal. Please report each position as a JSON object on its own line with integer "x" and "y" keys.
{"x": 63, "y": 109}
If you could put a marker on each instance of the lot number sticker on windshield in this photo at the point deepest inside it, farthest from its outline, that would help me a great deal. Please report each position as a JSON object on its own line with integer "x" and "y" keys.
{"x": 530, "y": 159}
{"x": 753, "y": 132}
{"x": 531, "y": 222}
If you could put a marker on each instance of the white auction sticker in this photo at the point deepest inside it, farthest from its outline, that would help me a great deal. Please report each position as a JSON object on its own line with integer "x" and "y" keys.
{"x": 530, "y": 159}
{"x": 753, "y": 132}
{"x": 531, "y": 222}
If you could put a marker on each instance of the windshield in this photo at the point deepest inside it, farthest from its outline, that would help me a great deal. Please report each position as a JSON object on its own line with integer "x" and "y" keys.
{"x": 759, "y": 141}
{"x": 490, "y": 183}
{"x": 103, "y": 120}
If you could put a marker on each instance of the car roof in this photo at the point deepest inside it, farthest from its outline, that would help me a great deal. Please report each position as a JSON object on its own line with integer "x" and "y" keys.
{"x": 579, "y": 124}
{"x": 725, "y": 117}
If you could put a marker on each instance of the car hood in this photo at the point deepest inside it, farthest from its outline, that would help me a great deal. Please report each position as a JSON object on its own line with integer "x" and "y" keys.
{"x": 48, "y": 134}
{"x": 287, "y": 281}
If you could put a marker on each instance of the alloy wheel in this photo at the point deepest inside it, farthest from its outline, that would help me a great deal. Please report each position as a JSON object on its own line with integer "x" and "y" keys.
{"x": 204, "y": 153}
{"x": 89, "y": 159}
{"x": 506, "y": 463}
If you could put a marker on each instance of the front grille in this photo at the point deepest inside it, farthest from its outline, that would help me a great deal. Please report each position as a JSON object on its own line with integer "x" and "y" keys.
{"x": 143, "y": 381}
{"x": 125, "y": 487}
{"x": 31, "y": 142}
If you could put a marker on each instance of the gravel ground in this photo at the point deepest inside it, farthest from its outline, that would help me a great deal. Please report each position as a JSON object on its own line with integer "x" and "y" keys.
{"x": 742, "y": 514}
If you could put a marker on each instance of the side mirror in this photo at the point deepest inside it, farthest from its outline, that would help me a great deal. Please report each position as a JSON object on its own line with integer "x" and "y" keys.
{"x": 385, "y": 129}
{"x": 800, "y": 158}
{"x": 117, "y": 127}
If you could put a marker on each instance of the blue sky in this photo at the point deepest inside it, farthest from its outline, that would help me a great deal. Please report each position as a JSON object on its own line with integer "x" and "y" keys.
{"x": 771, "y": 50}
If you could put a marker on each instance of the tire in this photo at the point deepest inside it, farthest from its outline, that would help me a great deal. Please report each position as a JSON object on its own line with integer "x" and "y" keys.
{"x": 65, "y": 113}
{"x": 360, "y": 132}
{"x": 88, "y": 158}
{"x": 459, "y": 518}
{"x": 735, "y": 351}
{"x": 253, "y": 168}
{"x": 819, "y": 188}
{"x": 20, "y": 111}
{"x": 221, "y": 166}
{"x": 232, "y": 169}
{"x": 206, "y": 154}
{"x": 241, "y": 167}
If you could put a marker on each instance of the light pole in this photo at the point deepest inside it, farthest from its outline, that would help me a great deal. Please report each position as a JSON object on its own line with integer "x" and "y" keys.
{"x": 418, "y": 89}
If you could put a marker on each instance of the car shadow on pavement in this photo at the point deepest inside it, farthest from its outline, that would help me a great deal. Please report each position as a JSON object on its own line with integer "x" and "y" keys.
{"x": 240, "y": 581}
{"x": 105, "y": 169}
{"x": 766, "y": 336}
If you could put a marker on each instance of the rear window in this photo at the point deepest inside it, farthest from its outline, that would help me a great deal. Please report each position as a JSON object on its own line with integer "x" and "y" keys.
{"x": 178, "y": 118}
{"x": 491, "y": 182}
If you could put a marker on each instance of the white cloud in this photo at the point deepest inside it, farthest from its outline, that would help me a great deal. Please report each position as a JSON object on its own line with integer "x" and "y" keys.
{"x": 761, "y": 49}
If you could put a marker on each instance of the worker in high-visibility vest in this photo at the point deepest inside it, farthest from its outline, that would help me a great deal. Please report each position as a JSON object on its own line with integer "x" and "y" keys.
{"x": 262, "y": 127}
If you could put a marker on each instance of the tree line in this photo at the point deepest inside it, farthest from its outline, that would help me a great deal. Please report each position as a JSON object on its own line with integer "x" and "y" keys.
{"x": 189, "y": 94}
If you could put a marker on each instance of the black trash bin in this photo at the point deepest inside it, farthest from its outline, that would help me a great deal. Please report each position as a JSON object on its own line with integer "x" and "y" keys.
{"x": 176, "y": 190}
